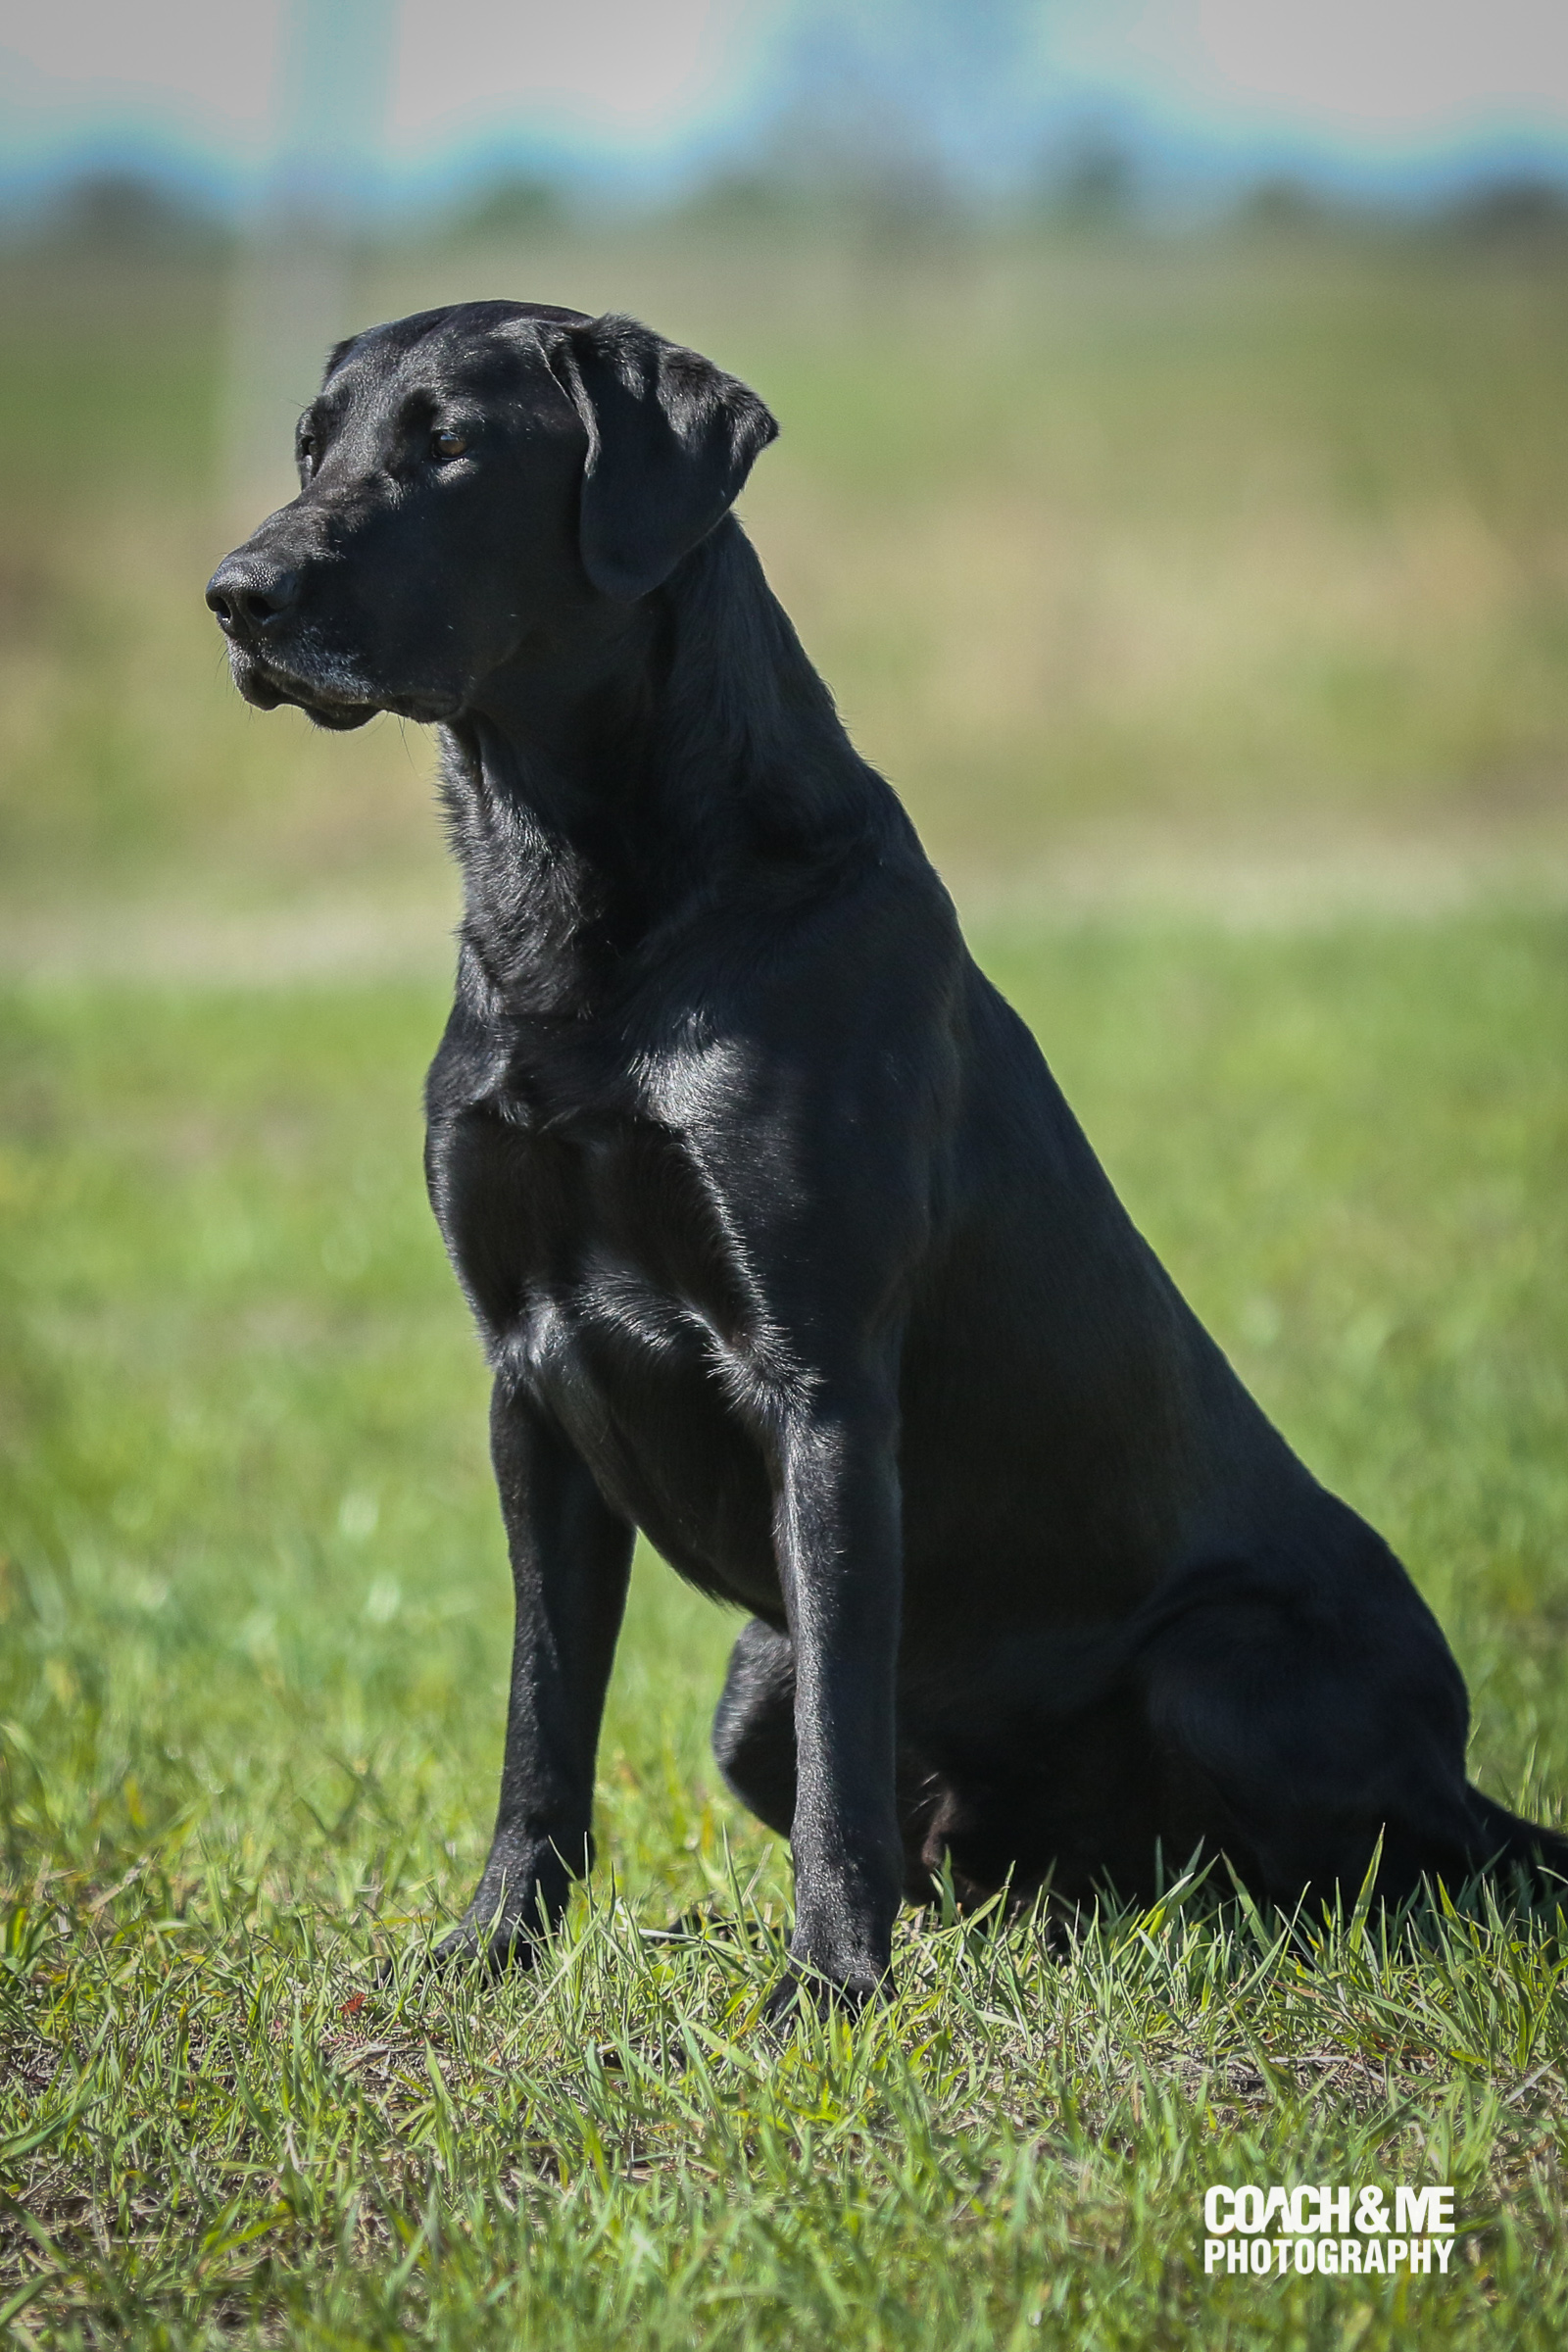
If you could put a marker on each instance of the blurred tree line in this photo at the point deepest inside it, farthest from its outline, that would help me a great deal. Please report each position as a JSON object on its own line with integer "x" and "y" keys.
{"x": 1086, "y": 184}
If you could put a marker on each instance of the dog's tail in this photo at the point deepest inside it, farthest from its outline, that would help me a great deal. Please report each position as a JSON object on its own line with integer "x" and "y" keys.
{"x": 1507, "y": 1841}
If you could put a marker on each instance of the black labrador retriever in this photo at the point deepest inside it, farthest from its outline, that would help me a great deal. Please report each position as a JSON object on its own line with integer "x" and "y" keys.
{"x": 782, "y": 1241}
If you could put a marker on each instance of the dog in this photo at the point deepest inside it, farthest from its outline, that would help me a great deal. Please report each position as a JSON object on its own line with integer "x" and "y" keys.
{"x": 782, "y": 1243}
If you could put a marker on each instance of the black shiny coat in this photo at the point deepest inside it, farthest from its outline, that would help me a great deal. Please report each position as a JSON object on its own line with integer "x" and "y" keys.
{"x": 782, "y": 1243}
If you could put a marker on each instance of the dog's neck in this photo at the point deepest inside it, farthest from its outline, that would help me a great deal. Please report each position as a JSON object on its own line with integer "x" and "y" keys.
{"x": 604, "y": 789}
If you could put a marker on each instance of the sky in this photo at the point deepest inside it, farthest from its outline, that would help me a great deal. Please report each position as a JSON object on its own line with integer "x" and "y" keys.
{"x": 418, "y": 95}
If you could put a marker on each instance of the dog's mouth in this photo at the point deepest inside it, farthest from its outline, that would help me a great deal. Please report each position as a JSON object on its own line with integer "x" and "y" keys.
{"x": 266, "y": 689}
{"x": 340, "y": 704}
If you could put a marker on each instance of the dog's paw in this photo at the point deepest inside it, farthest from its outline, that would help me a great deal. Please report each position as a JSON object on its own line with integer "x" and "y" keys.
{"x": 493, "y": 1946}
{"x": 802, "y": 1987}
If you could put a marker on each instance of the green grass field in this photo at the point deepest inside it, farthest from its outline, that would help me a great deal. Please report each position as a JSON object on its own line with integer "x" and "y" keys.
{"x": 1202, "y": 552}
{"x": 255, "y": 1637}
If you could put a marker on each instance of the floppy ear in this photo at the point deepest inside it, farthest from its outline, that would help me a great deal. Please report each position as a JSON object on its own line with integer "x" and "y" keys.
{"x": 336, "y": 357}
{"x": 671, "y": 440}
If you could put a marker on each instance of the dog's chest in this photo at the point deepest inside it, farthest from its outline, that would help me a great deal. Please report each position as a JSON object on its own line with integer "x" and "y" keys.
{"x": 594, "y": 1251}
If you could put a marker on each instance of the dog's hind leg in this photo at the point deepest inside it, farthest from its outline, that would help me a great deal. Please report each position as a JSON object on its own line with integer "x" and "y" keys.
{"x": 1324, "y": 1716}
{"x": 754, "y": 1725}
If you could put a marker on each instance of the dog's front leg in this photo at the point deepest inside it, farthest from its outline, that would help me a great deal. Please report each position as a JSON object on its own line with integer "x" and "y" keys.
{"x": 840, "y": 1554}
{"x": 571, "y": 1560}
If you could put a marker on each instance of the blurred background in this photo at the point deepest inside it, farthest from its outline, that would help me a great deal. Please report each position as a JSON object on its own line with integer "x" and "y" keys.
{"x": 1173, "y": 482}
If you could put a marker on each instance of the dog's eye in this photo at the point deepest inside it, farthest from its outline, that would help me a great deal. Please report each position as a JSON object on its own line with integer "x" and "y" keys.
{"x": 448, "y": 444}
{"x": 305, "y": 453}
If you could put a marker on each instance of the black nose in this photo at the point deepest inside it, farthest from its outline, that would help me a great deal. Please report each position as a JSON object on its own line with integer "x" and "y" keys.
{"x": 248, "y": 595}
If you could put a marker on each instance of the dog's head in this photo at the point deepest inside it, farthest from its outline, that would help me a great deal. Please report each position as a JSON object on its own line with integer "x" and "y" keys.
{"x": 473, "y": 482}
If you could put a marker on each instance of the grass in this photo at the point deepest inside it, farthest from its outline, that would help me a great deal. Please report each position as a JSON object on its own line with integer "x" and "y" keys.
{"x": 250, "y": 1684}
